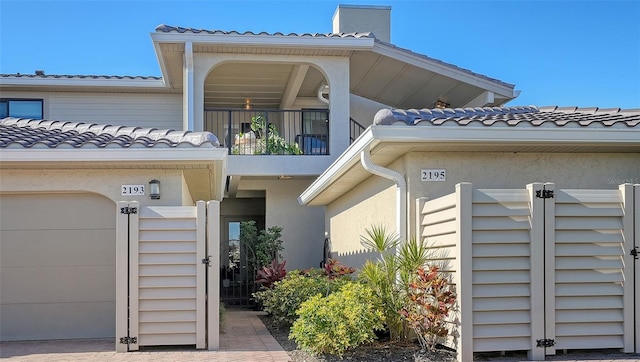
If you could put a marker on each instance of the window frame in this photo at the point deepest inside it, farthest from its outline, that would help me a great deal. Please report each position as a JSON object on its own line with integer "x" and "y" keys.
{"x": 8, "y": 101}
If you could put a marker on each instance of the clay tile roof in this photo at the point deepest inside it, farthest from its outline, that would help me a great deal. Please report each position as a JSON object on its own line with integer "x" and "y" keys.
{"x": 520, "y": 116}
{"x": 77, "y": 76}
{"x": 29, "y": 133}
{"x": 162, "y": 28}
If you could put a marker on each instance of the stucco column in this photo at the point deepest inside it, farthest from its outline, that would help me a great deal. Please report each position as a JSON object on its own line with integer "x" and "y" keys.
{"x": 337, "y": 73}
{"x": 187, "y": 89}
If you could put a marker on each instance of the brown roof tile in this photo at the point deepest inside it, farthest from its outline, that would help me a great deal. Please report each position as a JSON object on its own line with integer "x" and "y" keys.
{"x": 512, "y": 117}
{"x": 70, "y": 76}
{"x": 29, "y": 133}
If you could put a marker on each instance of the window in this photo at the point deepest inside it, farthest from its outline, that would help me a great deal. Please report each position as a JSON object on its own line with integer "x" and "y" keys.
{"x": 21, "y": 108}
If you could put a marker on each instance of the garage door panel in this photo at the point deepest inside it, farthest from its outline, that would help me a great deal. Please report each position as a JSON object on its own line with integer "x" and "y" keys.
{"x": 57, "y": 266}
{"x": 62, "y": 320}
{"x": 57, "y": 247}
{"x": 55, "y": 211}
{"x": 58, "y": 284}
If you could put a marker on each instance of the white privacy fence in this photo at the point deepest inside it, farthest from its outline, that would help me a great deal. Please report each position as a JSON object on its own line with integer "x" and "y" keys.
{"x": 539, "y": 269}
{"x": 164, "y": 257}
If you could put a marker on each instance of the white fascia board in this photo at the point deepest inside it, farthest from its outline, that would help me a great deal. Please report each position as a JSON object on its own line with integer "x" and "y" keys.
{"x": 266, "y": 40}
{"x": 110, "y": 155}
{"x": 508, "y": 135}
{"x": 446, "y": 70}
{"x": 341, "y": 165}
{"x": 82, "y": 82}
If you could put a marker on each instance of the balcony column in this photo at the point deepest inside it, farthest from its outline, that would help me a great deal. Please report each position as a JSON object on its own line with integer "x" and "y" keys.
{"x": 187, "y": 89}
{"x": 337, "y": 73}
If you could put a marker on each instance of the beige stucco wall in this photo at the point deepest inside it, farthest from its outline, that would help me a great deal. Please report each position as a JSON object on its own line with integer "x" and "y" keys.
{"x": 516, "y": 170}
{"x": 372, "y": 202}
{"x": 303, "y": 226}
{"x": 104, "y": 182}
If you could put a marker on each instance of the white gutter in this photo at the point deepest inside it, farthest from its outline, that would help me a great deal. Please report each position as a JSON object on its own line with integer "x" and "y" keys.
{"x": 188, "y": 89}
{"x": 96, "y": 156}
{"x": 84, "y": 81}
{"x": 401, "y": 190}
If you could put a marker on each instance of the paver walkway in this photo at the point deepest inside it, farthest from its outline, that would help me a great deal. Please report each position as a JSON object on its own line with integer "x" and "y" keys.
{"x": 245, "y": 339}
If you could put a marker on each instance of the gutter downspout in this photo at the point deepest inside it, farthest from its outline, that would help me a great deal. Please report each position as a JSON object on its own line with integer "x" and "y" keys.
{"x": 401, "y": 190}
{"x": 188, "y": 92}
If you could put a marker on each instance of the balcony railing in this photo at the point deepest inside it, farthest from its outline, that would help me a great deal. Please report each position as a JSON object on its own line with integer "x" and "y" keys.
{"x": 270, "y": 132}
{"x": 355, "y": 130}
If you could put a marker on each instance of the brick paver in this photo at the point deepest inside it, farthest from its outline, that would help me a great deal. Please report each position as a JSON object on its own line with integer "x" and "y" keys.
{"x": 245, "y": 339}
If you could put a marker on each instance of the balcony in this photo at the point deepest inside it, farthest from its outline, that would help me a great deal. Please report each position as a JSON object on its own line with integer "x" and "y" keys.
{"x": 270, "y": 132}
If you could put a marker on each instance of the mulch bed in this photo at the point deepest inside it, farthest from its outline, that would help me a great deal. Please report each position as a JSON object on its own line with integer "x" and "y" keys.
{"x": 377, "y": 351}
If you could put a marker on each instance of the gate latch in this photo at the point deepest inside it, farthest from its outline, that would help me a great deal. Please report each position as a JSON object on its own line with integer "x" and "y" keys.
{"x": 128, "y": 340}
{"x": 545, "y": 343}
{"x": 128, "y": 210}
{"x": 634, "y": 252}
{"x": 544, "y": 194}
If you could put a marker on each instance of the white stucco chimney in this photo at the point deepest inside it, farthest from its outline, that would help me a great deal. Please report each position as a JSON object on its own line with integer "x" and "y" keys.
{"x": 362, "y": 19}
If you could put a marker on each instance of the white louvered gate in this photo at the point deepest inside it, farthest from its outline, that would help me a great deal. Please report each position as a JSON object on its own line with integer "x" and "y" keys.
{"x": 163, "y": 273}
{"x": 538, "y": 266}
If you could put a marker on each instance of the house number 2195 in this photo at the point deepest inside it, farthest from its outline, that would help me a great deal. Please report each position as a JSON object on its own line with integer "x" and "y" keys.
{"x": 433, "y": 175}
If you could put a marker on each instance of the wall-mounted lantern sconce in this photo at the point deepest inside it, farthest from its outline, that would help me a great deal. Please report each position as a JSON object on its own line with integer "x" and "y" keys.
{"x": 154, "y": 189}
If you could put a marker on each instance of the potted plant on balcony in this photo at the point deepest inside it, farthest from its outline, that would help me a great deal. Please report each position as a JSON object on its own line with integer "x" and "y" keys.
{"x": 269, "y": 140}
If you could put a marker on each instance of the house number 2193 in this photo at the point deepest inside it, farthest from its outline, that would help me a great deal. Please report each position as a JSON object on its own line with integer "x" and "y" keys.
{"x": 132, "y": 190}
{"x": 433, "y": 175}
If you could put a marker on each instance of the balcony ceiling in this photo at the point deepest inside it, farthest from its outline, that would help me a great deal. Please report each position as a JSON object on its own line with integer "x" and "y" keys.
{"x": 385, "y": 74}
{"x": 264, "y": 84}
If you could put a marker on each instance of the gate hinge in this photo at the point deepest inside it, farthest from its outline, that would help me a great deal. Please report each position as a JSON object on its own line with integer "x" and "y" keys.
{"x": 634, "y": 252}
{"x": 545, "y": 343}
{"x": 128, "y": 340}
{"x": 544, "y": 194}
{"x": 207, "y": 260}
{"x": 128, "y": 210}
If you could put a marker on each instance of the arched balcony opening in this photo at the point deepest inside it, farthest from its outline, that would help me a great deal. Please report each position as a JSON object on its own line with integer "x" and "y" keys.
{"x": 268, "y": 108}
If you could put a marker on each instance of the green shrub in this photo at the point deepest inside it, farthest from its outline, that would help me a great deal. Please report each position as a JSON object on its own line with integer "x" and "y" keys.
{"x": 392, "y": 273}
{"x": 333, "y": 324}
{"x": 288, "y": 294}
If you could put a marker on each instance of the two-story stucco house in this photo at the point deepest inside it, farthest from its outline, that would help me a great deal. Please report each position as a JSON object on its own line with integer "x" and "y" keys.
{"x": 99, "y": 200}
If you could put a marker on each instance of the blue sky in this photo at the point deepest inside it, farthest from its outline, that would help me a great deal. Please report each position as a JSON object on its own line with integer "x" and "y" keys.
{"x": 567, "y": 53}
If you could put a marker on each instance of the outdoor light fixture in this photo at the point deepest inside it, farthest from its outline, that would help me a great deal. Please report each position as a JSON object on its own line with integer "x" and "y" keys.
{"x": 154, "y": 189}
{"x": 247, "y": 104}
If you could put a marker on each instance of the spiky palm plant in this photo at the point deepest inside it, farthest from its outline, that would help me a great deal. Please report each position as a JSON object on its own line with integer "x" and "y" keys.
{"x": 392, "y": 273}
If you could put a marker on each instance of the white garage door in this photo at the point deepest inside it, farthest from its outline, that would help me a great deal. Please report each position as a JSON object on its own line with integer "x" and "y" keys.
{"x": 57, "y": 266}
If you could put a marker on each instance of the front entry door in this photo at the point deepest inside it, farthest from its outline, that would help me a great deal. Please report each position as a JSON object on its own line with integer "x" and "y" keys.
{"x": 163, "y": 275}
